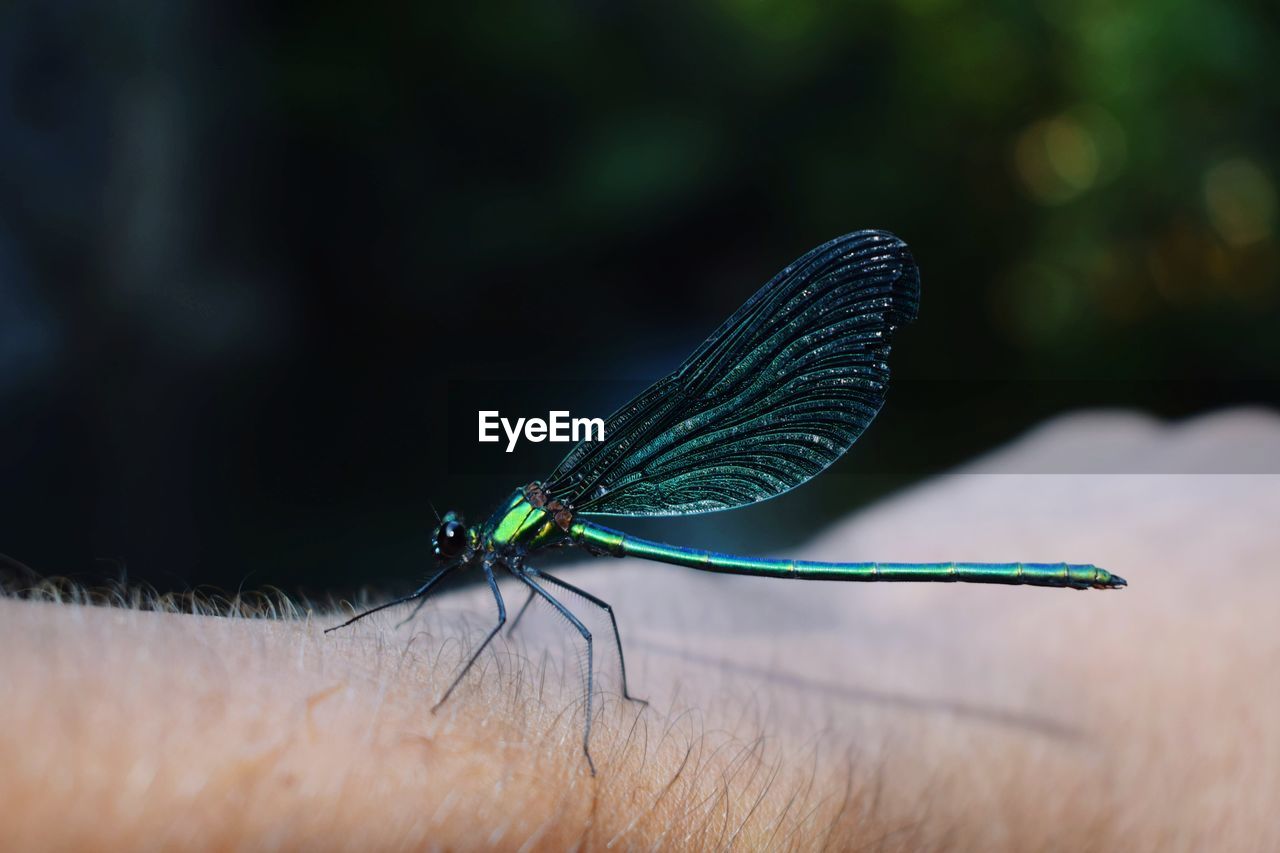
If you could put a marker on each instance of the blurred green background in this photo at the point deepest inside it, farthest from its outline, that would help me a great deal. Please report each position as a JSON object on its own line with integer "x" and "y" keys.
{"x": 259, "y": 265}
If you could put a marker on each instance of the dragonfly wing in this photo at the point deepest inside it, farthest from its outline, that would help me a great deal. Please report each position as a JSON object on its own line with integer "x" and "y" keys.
{"x": 773, "y": 397}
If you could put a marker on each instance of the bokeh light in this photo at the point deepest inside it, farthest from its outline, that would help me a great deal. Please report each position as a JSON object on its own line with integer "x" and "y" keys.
{"x": 249, "y": 254}
{"x": 1241, "y": 201}
{"x": 1068, "y": 154}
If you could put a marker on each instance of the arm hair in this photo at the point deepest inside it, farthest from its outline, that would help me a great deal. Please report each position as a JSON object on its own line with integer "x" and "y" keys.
{"x": 784, "y": 714}
{"x": 126, "y": 728}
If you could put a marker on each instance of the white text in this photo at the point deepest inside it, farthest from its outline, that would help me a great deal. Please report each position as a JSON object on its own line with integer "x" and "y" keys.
{"x": 559, "y": 426}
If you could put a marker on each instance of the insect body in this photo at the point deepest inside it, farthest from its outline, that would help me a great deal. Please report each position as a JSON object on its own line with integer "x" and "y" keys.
{"x": 779, "y": 392}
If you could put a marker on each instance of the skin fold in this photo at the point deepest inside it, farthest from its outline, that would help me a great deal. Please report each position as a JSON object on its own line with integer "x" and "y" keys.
{"x": 783, "y": 714}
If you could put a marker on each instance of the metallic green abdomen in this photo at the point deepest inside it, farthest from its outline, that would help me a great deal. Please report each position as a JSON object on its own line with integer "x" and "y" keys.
{"x": 1076, "y": 576}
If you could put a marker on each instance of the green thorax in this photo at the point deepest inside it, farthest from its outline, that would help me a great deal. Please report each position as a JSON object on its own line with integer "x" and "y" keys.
{"x": 527, "y": 519}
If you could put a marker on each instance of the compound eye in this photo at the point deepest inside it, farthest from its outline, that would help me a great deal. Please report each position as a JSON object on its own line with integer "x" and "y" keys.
{"x": 451, "y": 539}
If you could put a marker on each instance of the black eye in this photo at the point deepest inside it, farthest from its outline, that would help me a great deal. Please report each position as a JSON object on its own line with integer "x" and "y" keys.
{"x": 451, "y": 539}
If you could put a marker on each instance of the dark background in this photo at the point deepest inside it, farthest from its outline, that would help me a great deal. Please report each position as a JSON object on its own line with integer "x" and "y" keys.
{"x": 260, "y": 265}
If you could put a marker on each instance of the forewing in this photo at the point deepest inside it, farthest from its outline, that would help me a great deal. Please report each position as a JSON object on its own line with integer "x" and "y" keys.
{"x": 773, "y": 397}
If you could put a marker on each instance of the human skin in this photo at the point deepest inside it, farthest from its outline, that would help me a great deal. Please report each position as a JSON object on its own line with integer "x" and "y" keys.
{"x": 783, "y": 714}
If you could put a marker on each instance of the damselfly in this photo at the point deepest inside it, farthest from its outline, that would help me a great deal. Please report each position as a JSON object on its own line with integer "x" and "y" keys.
{"x": 772, "y": 398}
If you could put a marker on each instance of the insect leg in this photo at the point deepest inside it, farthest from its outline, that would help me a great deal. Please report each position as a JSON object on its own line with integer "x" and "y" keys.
{"x": 520, "y": 614}
{"x": 605, "y": 606}
{"x": 502, "y": 618}
{"x": 420, "y": 592}
{"x": 415, "y": 612}
{"x": 586, "y": 635}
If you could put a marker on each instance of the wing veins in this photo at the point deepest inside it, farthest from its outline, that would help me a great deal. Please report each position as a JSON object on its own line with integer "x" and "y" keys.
{"x": 781, "y": 389}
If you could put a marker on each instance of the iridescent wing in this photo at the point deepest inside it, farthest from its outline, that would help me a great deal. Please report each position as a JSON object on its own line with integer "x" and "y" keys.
{"x": 777, "y": 394}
